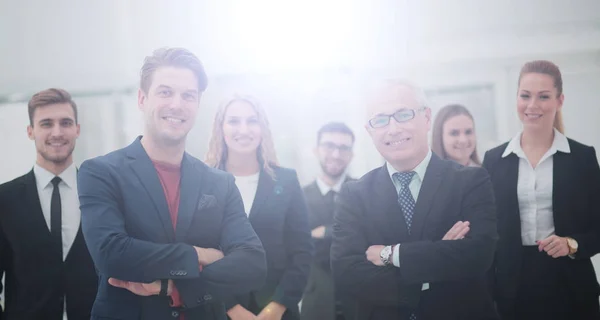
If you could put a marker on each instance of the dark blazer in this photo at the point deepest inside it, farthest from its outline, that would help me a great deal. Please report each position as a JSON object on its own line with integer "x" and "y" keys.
{"x": 319, "y": 300}
{"x": 320, "y": 213}
{"x": 279, "y": 217}
{"x": 127, "y": 227}
{"x": 367, "y": 213}
{"x": 576, "y": 208}
{"x": 37, "y": 279}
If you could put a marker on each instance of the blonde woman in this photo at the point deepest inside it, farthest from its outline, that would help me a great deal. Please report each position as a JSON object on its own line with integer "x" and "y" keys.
{"x": 546, "y": 188}
{"x": 242, "y": 144}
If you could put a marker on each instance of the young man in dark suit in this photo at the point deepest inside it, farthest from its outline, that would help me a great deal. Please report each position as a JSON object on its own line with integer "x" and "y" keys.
{"x": 49, "y": 272}
{"x": 168, "y": 234}
{"x": 414, "y": 238}
{"x": 334, "y": 152}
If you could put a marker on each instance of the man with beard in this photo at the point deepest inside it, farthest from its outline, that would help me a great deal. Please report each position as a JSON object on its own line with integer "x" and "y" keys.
{"x": 168, "y": 234}
{"x": 334, "y": 151}
{"x": 49, "y": 272}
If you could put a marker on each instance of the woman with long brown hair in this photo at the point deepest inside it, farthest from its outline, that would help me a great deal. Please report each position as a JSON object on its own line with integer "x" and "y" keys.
{"x": 547, "y": 190}
{"x": 454, "y": 137}
{"x": 242, "y": 144}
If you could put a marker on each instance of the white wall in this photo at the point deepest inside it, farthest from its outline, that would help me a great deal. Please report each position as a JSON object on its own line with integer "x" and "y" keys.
{"x": 95, "y": 46}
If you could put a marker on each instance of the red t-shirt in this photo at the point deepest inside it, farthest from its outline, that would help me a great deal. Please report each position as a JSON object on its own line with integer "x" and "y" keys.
{"x": 170, "y": 177}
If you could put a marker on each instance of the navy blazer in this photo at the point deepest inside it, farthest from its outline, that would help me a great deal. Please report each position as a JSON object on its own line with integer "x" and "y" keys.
{"x": 279, "y": 216}
{"x": 128, "y": 230}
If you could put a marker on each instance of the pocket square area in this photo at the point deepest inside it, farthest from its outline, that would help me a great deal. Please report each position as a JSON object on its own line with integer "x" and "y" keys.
{"x": 207, "y": 201}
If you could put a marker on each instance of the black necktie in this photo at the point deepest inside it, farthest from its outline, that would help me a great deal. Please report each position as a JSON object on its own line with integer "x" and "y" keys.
{"x": 56, "y": 217}
{"x": 330, "y": 198}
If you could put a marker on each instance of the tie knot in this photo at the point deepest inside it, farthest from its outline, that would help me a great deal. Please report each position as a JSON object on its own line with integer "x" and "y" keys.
{"x": 56, "y": 181}
{"x": 404, "y": 178}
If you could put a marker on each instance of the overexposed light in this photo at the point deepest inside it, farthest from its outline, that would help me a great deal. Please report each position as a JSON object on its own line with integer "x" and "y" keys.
{"x": 281, "y": 35}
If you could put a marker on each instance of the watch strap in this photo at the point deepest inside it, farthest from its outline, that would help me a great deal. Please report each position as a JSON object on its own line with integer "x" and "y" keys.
{"x": 164, "y": 285}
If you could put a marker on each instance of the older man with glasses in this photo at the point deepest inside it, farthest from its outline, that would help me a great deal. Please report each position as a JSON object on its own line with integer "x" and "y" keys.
{"x": 413, "y": 239}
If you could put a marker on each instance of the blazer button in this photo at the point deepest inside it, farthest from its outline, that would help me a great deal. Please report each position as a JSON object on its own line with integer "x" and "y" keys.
{"x": 175, "y": 314}
{"x": 207, "y": 297}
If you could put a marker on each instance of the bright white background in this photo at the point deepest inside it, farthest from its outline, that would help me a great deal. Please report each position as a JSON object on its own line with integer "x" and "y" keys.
{"x": 306, "y": 60}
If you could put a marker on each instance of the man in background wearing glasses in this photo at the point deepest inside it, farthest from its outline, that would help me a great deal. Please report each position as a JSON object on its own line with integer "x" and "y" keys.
{"x": 414, "y": 238}
{"x": 334, "y": 152}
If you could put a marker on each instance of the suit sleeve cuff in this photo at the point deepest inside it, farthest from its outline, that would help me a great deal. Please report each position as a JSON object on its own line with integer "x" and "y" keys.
{"x": 396, "y": 256}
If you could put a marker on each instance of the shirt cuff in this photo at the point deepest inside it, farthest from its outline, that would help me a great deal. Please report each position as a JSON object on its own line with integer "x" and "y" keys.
{"x": 396, "y": 256}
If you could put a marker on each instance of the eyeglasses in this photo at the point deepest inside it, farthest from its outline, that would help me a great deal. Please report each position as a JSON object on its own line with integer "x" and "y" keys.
{"x": 331, "y": 147}
{"x": 402, "y": 115}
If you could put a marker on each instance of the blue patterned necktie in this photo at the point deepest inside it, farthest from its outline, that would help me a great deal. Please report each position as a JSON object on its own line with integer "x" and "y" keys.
{"x": 405, "y": 198}
{"x": 407, "y": 203}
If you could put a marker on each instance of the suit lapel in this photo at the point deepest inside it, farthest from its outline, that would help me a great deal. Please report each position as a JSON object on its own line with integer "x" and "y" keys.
{"x": 142, "y": 166}
{"x": 561, "y": 191}
{"x": 266, "y": 187}
{"x": 385, "y": 200}
{"x": 35, "y": 214}
{"x": 190, "y": 191}
{"x": 429, "y": 187}
{"x": 509, "y": 169}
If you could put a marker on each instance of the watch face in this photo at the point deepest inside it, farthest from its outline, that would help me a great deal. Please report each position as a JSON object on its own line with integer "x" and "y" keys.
{"x": 385, "y": 254}
{"x": 572, "y": 243}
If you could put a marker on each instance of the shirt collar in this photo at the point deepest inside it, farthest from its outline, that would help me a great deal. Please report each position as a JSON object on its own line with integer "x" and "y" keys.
{"x": 560, "y": 143}
{"x": 68, "y": 176}
{"x": 325, "y": 188}
{"x": 419, "y": 170}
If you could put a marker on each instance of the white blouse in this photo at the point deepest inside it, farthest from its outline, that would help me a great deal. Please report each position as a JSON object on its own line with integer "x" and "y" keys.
{"x": 247, "y": 186}
{"x": 534, "y": 189}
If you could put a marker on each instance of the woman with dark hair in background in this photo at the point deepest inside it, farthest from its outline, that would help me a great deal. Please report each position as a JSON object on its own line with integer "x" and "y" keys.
{"x": 242, "y": 144}
{"x": 547, "y": 190}
{"x": 453, "y": 136}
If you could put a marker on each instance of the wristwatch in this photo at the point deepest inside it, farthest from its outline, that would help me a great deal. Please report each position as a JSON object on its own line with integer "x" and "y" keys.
{"x": 573, "y": 245}
{"x": 386, "y": 255}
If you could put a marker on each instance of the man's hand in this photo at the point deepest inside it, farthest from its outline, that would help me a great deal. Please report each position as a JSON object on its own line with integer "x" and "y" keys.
{"x": 373, "y": 255}
{"x": 207, "y": 256}
{"x": 458, "y": 231}
{"x": 273, "y": 311}
{"x": 240, "y": 313}
{"x": 318, "y": 232}
{"x": 141, "y": 289}
{"x": 554, "y": 246}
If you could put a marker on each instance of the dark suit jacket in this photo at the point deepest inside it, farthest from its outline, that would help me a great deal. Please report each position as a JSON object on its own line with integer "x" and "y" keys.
{"x": 576, "y": 208}
{"x": 320, "y": 213}
{"x": 127, "y": 227}
{"x": 319, "y": 300}
{"x": 367, "y": 213}
{"x": 37, "y": 279}
{"x": 279, "y": 217}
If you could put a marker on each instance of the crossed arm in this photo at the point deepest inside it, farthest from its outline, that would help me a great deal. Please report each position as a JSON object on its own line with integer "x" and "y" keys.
{"x": 139, "y": 265}
{"x": 420, "y": 261}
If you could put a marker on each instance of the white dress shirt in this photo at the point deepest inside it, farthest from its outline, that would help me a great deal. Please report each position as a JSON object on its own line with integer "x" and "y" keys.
{"x": 247, "y": 186}
{"x": 325, "y": 188}
{"x": 534, "y": 189}
{"x": 71, "y": 215}
{"x": 415, "y": 188}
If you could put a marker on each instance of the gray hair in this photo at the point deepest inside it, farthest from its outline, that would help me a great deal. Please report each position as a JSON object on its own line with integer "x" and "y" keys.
{"x": 380, "y": 85}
